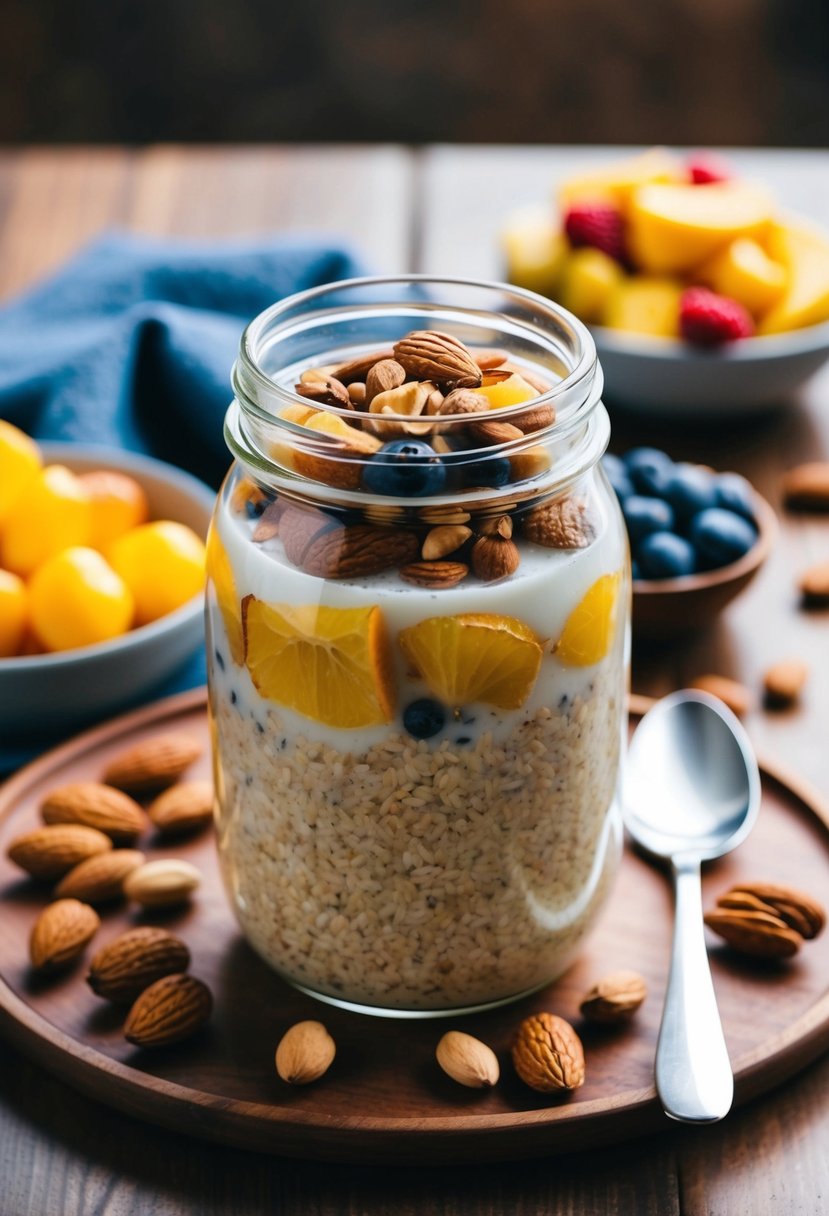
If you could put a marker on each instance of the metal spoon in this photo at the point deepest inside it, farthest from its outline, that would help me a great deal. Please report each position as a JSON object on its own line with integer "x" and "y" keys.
{"x": 691, "y": 793}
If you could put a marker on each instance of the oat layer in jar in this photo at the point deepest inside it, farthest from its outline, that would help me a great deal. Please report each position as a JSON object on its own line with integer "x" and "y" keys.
{"x": 418, "y": 609}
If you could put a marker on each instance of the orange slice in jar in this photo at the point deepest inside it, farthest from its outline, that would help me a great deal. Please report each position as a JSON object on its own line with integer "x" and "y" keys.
{"x": 474, "y": 656}
{"x": 220, "y": 573}
{"x": 330, "y": 664}
{"x": 591, "y": 626}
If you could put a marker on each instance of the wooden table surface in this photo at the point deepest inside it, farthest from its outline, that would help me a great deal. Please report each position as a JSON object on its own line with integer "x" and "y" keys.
{"x": 437, "y": 210}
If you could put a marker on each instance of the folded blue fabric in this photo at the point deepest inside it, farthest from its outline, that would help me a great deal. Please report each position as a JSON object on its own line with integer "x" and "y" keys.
{"x": 131, "y": 343}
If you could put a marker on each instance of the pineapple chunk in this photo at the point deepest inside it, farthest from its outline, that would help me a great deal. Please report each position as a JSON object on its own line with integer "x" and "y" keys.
{"x": 674, "y": 228}
{"x": 804, "y": 252}
{"x": 616, "y": 182}
{"x": 587, "y": 281}
{"x": 503, "y": 393}
{"x": 645, "y": 305}
{"x": 746, "y": 273}
{"x": 534, "y": 249}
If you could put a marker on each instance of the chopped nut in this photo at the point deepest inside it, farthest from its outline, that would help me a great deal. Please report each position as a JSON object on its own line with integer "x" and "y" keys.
{"x": 784, "y": 681}
{"x": 443, "y": 540}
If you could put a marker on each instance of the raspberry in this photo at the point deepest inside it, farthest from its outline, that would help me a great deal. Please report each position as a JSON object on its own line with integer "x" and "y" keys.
{"x": 708, "y": 319}
{"x": 598, "y": 225}
{"x": 706, "y": 168}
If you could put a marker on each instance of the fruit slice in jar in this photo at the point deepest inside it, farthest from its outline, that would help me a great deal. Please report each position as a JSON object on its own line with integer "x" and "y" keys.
{"x": 219, "y": 571}
{"x": 588, "y": 633}
{"x": 330, "y": 664}
{"x": 474, "y": 657}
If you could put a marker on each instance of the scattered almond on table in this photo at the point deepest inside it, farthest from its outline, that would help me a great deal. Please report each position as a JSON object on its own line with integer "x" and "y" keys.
{"x": 100, "y": 879}
{"x": 134, "y": 960}
{"x": 94, "y": 805}
{"x": 732, "y": 694}
{"x": 814, "y": 585}
{"x": 766, "y": 920}
{"x": 169, "y": 1011}
{"x": 305, "y": 1053}
{"x": 162, "y": 883}
{"x": 61, "y": 933}
{"x": 183, "y": 808}
{"x": 806, "y": 486}
{"x": 50, "y": 852}
{"x": 548, "y": 1054}
{"x": 153, "y": 764}
{"x": 614, "y": 998}
{"x": 783, "y": 682}
{"x": 467, "y": 1060}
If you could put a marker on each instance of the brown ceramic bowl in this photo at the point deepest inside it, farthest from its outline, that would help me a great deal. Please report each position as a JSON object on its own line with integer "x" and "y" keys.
{"x": 667, "y": 608}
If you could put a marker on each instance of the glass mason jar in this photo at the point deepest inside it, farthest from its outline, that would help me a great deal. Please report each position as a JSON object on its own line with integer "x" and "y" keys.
{"x": 418, "y": 623}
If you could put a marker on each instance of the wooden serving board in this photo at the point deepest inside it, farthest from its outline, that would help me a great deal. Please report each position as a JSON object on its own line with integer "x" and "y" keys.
{"x": 385, "y": 1098}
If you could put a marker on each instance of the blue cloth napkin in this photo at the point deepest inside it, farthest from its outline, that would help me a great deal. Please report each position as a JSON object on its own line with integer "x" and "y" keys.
{"x": 131, "y": 344}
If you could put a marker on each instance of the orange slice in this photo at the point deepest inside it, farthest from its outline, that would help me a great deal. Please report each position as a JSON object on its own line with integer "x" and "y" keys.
{"x": 330, "y": 664}
{"x": 220, "y": 573}
{"x": 474, "y": 657}
{"x": 590, "y": 628}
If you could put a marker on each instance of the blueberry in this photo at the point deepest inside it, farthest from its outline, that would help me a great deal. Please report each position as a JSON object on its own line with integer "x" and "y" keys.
{"x": 722, "y": 536}
{"x": 496, "y": 471}
{"x": 617, "y": 475}
{"x": 690, "y": 489}
{"x": 645, "y": 515}
{"x": 734, "y": 493}
{"x": 665, "y": 555}
{"x": 405, "y": 468}
{"x": 646, "y": 466}
{"x": 424, "y": 718}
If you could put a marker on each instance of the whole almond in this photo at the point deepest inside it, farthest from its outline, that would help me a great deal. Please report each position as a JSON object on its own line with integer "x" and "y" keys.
{"x": 94, "y": 805}
{"x": 564, "y": 523}
{"x": 732, "y": 694}
{"x": 152, "y": 764}
{"x": 358, "y": 369}
{"x": 100, "y": 879}
{"x": 798, "y": 910}
{"x": 184, "y": 807}
{"x": 807, "y": 486}
{"x": 121, "y": 970}
{"x": 443, "y": 540}
{"x": 170, "y": 1010}
{"x": 430, "y": 354}
{"x": 384, "y": 375}
{"x": 548, "y": 1054}
{"x": 488, "y": 357}
{"x": 467, "y": 1060}
{"x": 784, "y": 681}
{"x": 349, "y": 552}
{"x": 435, "y": 575}
{"x": 614, "y": 998}
{"x": 326, "y": 391}
{"x": 494, "y": 558}
{"x": 162, "y": 883}
{"x": 814, "y": 584}
{"x": 485, "y": 432}
{"x": 52, "y": 851}
{"x": 534, "y": 418}
{"x": 305, "y": 1053}
{"x": 357, "y": 393}
{"x": 759, "y": 934}
{"x": 61, "y": 932}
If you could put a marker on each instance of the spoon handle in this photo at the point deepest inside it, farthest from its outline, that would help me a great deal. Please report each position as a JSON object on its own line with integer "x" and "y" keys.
{"x": 693, "y": 1073}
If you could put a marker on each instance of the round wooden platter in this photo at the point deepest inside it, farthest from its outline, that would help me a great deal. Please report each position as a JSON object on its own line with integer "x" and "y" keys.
{"x": 384, "y": 1098}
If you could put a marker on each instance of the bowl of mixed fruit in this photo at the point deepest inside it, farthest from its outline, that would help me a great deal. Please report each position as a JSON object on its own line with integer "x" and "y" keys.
{"x": 701, "y": 293}
{"x": 697, "y": 538}
{"x": 102, "y": 564}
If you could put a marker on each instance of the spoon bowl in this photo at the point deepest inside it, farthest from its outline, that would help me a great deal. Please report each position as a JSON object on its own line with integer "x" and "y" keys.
{"x": 692, "y": 793}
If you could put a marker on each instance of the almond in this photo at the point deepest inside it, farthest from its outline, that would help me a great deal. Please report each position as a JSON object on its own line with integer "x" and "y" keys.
{"x": 494, "y": 558}
{"x": 807, "y": 486}
{"x": 562, "y": 524}
{"x": 444, "y": 539}
{"x": 52, "y": 851}
{"x": 435, "y": 575}
{"x": 121, "y": 970}
{"x": 95, "y": 806}
{"x": 384, "y": 375}
{"x": 760, "y": 934}
{"x": 784, "y": 681}
{"x": 161, "y": 883}
{"x": 347, "y": 552}
{"x": 358, "y": 369}
{"x": 798, "y": 910}
{"x": 548, "y": 1054}
{"x": 267, "y": 526}
{"x": 328, "y": 390}
{"x": 814, "y": 584}
{"x": 535, "y": 418}
{"x": 467, "y": 1060}
{"x": 184, "y": 807}
{"x": 732, "y": 694}
{"x": 305, "y": 1052}
{"x": 61, "y": 932}
{"x": 488, "y": 357}
{"x": 614, "y": 998}
{"x": 152, "y": 764}
{"x": 170, "y": 1010}
{"x": 429, "y": 354}
{"x": 101, "y": 878}
{"x": 485, "y": 432}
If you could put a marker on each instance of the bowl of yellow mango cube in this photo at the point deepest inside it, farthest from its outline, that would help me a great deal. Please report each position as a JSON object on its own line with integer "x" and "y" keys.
{"x": 703, "y": 296}
{"x": 101, "y": 580}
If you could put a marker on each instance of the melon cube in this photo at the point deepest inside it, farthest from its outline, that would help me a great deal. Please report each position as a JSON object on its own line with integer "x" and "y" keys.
{"x": 535, "y": 249}
{"x": 513, "y": 391}
{"x": 587, "y": 281}
{"x": 645, "y": 305}
{"x": 672, "y": 229}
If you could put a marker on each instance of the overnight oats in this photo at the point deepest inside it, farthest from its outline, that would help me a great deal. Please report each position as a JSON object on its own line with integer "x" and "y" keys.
{"x": 418, "y": 607}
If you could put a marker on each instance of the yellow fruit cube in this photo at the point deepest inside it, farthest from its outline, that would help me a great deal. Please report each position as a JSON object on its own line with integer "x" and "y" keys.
{"x": 163, "y": 564}
{"x": 588, "y": 280}
{"x": 118, "y": 504}
{"x": 615, "y": 183}
{"x": 13, "y": 613}
{"x": 535, "y": 249}
{"x": 645, "y": 305}
{"x": 77, "y": 599}
{"x": 19, "y": 462}
{"x": 675, "y": 228}
{"x": 52, "y": 512}
{"x": 804, "y": 251}
{"x": 513, "y": 391}
{"x": 746, "y": 273}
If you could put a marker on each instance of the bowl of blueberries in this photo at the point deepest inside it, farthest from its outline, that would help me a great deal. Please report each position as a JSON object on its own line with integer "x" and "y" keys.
{"x": 697, "y": 538}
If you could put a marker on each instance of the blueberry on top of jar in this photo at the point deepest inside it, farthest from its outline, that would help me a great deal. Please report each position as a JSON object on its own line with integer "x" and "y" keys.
{"x": 405, "y": 468}
{"x": 424, "y": 718}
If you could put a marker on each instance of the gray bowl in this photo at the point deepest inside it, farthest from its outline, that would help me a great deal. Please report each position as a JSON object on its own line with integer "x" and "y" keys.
{"x": 666, "y": 377}
{"x": 44, "y": 695}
